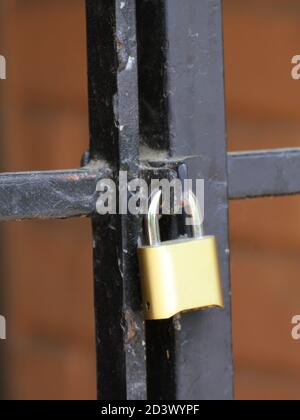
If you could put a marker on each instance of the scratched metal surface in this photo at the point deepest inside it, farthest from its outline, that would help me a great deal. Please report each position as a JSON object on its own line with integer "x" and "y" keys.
{"x": 49, "y": 195}
{"x": 114, "y": 128}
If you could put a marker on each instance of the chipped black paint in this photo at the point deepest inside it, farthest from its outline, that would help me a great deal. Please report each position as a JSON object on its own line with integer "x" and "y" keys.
{"x": 63, "y": 194}
{"x": 114, "y": 128}
{"x": 49, "y": 195}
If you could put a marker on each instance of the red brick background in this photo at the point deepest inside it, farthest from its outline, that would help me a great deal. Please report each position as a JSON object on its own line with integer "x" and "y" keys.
{"x": 261, "y": 37}
{"x": 48, "y": 265}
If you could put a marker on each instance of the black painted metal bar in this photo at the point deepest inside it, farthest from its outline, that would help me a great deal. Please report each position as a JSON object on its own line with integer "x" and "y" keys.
{"x": 191, "y": 357}
{"x": 63, "y": 194}
{"x": 49, "y": 195}
{"x": 114, "y": 127}
{"x": 264, "y": 173}
{"x": 128, "y": 120}
{"x": 72, "y": 193}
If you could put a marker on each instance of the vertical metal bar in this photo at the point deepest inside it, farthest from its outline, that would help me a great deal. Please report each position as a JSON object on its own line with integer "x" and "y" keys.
{"x": 114, "y": 127}
{"x": 128, "y": 125}
{"x": 193, "y": 359}
{"x": 197, "y": 128}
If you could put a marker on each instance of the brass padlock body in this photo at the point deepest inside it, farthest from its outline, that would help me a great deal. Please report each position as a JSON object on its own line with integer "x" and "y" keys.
{"x": 179, "y": 276}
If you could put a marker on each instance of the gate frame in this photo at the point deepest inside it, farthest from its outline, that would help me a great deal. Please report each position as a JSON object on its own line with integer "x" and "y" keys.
{"x": 176, "y": 72}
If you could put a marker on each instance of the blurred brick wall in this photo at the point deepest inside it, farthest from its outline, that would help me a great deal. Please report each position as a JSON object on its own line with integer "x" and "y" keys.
{"x": 261, "y": 37}
{"x": 48, "y": 265}
{"x": 48, "y": 278}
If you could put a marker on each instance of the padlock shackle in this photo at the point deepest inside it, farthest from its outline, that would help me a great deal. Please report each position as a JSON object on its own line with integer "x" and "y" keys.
{"x": 152, "y": 223}
{"x": 192, "y": 208}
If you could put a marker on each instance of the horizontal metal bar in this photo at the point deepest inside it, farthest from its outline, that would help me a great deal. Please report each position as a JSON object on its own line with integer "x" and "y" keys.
{"x": 264, "y": 173}
{"x": 72, "y": 193}
{"x": 49, "y": 195}
{"x": 64, "y": 194}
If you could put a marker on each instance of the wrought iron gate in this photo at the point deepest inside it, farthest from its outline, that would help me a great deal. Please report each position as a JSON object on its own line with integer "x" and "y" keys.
{"x": 156, "y": 102}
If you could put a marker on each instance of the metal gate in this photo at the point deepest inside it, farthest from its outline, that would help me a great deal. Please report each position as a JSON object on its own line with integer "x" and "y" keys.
{"x": 156, "y": 103}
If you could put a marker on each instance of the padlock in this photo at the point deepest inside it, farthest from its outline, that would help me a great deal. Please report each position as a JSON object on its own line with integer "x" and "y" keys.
{"x": 178, "y": 275}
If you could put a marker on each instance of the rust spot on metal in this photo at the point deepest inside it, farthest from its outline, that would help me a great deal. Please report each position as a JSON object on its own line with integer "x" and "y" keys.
{"x": 120, "y": 44}
{"x": 72, "y": 177}
{"x": 131, "y": 327}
